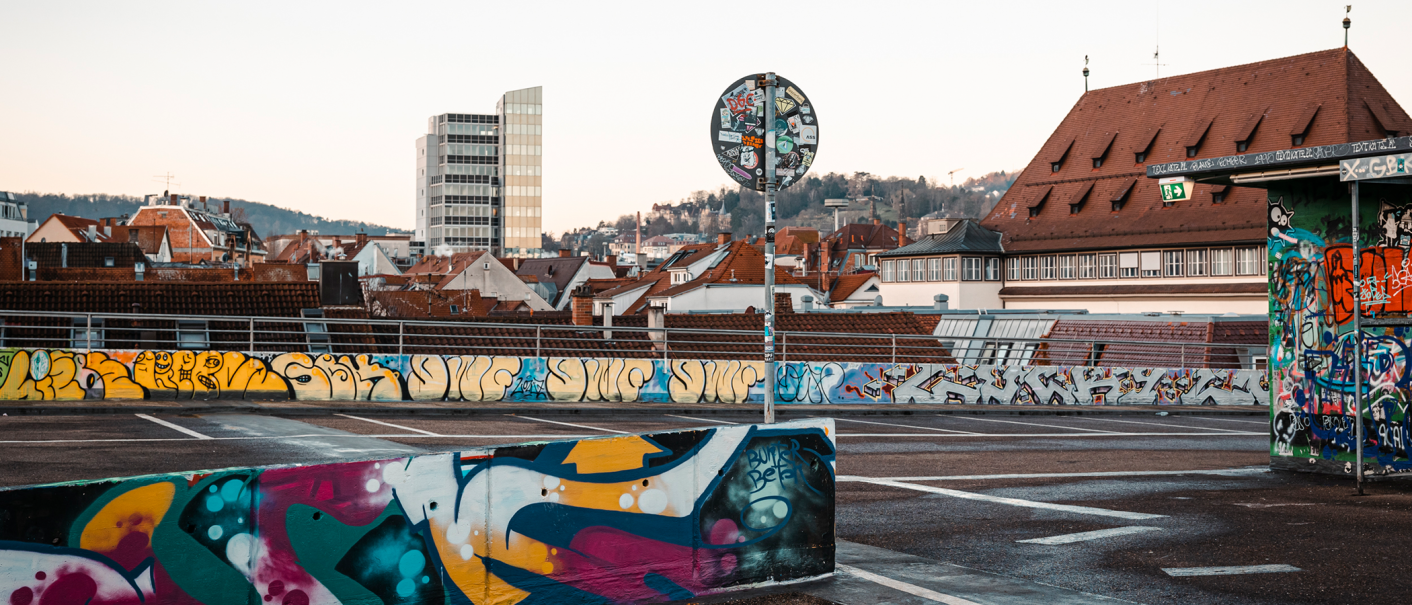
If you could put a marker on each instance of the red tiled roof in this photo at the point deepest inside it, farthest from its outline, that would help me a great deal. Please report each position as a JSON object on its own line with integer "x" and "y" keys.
{"x": 1163, "y": 117}
{"x": 79, "y": 227}
{"x": 845, "y": 285}
{"x": 744, "y": 264}
{"x": 1162, "y": 334}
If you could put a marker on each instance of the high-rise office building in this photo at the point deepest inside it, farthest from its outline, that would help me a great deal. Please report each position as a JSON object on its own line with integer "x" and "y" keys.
{"x": 479, "y": 179}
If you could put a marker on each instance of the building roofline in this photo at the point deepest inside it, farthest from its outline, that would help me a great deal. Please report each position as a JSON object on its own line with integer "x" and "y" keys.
{"x": 1220, "y": 170}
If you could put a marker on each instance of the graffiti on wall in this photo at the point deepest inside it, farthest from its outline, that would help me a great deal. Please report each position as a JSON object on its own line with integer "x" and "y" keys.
{"x": 634, "y": 518}
{"x": 69, "y": 375}
{"x": 1314, "y": 350}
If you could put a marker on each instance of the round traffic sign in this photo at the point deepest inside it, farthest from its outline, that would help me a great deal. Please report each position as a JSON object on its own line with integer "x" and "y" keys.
{"x": 738, "y": 132}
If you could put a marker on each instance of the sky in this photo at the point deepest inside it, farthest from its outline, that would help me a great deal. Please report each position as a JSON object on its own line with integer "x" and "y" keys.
{"x": 317, "y": 106}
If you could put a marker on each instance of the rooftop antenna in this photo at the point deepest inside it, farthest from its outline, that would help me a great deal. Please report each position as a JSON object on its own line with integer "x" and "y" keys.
{"x": 1157, "y": 53}
{"x": 1347, "y": 23}
{"x": 952, "y": 174}
{"x": 1085, "y": 73}
{"x": 167, "y": 178}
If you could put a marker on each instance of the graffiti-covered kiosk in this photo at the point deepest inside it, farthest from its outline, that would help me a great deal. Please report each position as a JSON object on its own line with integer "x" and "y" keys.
{"x": 1333, "y": 395}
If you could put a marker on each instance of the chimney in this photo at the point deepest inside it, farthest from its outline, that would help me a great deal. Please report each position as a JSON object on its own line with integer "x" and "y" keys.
{"x": 637, "y": 238}
{"x": 203, "y": 204}
{"x": 784, "y": 303}
{"x": 172, "y": 199}
{"x": 361, "y": 239}
{"x": 581, "y": 305}
{"x": 824, "y": 247}
{"x": 723, "y": 237}
{"x": 607, "y": 320}
{"x": 939, "y": 302}
{"x": 808, "y": 303}
{"x": 612, "y": 260}
{"x": 901, "y": 234}
{"x": 108, "y": 229}
{"x": 657, "y": 320}
{"x": 877, "y": 221}
{"x": 564, "y": 253}
{"x": 225, "y": 207}
{"x": 93, "y": 233}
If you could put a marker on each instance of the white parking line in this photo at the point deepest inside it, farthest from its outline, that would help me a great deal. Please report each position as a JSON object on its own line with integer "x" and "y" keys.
{"x": 1223, "y": 472}
{"x": 395, "y": 426}
{"x": 1058, "y": 435}
{"x": 1091, "y": 535}
{"x": 581, "y": 426}
{"x": 1227, "y": 571}
{"x": 1051, "y": 426}
{"x": 1069, "y": 508}
{"x": 1180, "y": 426}
{"x": 1229, "y": 420}
{"x": 909, "y": 426}
{"x": 699, "y": 419}
{"x": 175, "y": 427}
{"x": 912, "y": 589}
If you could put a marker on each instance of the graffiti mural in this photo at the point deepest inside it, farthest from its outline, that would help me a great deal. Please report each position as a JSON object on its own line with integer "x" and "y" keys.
{"x": 37, "y": 374}
{"x": 65, "y": 375}
{"x": 1314, "y": 350}
{"x": 633, "y": 518}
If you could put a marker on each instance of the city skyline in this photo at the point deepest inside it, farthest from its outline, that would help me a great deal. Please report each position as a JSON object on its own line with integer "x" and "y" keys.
{"x": 227, "y": 99}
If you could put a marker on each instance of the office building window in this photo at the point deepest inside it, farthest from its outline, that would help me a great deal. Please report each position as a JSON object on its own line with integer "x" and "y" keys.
{"x": 971, "y": 268}
{"x": 1012, "y": 269}
{"x": 1046, "y": 267}
{"x": 1248, "y": 260}
{"x": 1173, "y": 263}
{"x": 948, "y": 272}
{"x": 1196, "y": 263}
{"x": 1066, "y": 266}
{"x": 1127, "y": 264}
{"x": 903, "y": 271}
{"x": 887, "y": 271}
{"x": 1031, "y": 268}
{"x": 1107, "y": 266}
{"x": 992, "y": 269}
{"x": 917, "y": 264}
{"x": 933, "y": 269}
{"x": 1088, "y": 266}
{"x": 1221, "y": 261}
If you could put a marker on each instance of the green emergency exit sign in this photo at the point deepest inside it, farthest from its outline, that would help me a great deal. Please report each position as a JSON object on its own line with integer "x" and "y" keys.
{"x": 1176, "y": 190}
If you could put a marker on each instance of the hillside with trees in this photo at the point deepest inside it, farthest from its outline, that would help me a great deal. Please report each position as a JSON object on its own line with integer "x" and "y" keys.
{"x": 266, "y": 219}
{"x": 889, "y": 199}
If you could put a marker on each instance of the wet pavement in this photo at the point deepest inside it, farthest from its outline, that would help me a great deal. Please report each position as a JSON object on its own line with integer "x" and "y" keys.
{"x": 950, "y": 508}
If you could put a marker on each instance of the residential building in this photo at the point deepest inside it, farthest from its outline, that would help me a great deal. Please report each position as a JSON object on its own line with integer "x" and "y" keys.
{"x": 1084, "y": 229}
{"x": 480, "y": 179}
{"x": 396, "y": 246}
{"x": 659, "y": 247}
{"x": 854, "y": 290}
{"x": 200, "y": 235}
{"x": 851, "y": 248}
{"x": 725, "y": 276}
{"x": 372, "y": 258}
{"x": 479, "y": 271}
{"x": 14, "y": 217}
{"x": 964, "y": 263}
{"x": 63, "y": 228}
{"x": 558, "y": 276}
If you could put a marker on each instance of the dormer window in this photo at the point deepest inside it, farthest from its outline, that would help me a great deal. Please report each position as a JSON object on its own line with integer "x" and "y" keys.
{"x": 1056, "y": 161}
{"x": 1302, "y": 126}
{"x": 1121, "y": 196}
{"x": 1247, "y": 131}
{"x": 1100, "y": 151}
{"x": 1197, "y": 135}
{"x": 1242, "y": 146}
{"x": 1140, "y": 156}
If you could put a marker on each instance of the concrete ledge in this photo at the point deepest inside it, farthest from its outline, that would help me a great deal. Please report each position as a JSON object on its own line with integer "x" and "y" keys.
{"x": 622, "y": 519}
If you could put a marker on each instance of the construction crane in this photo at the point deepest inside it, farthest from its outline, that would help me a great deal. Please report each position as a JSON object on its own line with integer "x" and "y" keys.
{"x": 952, "y": 175}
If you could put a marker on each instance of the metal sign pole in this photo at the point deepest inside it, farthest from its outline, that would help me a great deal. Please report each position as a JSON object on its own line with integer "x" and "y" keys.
{"x": 1357, "y": 343}
{"x": 770, "y": 248}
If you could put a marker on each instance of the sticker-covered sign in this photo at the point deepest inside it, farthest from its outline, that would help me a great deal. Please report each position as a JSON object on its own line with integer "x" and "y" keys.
{"x": 739, "y": 119}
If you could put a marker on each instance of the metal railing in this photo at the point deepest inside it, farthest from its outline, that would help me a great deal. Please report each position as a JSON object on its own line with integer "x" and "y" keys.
{"x": 352, "y": 336}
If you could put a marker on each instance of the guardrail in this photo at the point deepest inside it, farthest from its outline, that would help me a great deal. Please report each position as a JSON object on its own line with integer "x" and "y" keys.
{"x": 320, "y": 334}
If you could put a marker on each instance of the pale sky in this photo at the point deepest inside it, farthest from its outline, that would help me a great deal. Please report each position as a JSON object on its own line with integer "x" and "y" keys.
{"x": 317, "y": 106}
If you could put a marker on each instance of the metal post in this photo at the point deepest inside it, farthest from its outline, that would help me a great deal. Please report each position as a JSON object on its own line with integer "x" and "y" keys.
{"x": 664, "y": 340}
{"x": 1183, "y": 363}
{"x": 1357, "y": 341}
{"x": 784, "y": 347}
{"x": 769, "y": 247}
{"x": 538, "y": 331}
{"x": 252, "y": 335}
{"x": 894, "y": 349}
{"x": 399, "y": 338}
{"x": 88, "y": 347}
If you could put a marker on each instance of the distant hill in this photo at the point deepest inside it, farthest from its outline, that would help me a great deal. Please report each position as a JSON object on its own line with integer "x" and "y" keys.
{"x": 266, "y": 219}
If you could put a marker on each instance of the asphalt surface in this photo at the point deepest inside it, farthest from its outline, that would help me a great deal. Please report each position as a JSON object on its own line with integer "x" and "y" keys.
{"x": 928, "y": 504}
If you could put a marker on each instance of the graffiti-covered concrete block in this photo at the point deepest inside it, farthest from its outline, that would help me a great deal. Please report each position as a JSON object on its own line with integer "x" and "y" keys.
{"x": 623, "y": 519}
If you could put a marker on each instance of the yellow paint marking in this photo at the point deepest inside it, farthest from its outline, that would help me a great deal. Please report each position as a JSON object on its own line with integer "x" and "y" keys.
{"x": 610, "y": 455}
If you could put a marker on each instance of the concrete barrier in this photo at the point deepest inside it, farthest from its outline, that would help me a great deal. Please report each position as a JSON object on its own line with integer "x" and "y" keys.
{"x": 39, "y": 374}
{"x": 623, "y": 519}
